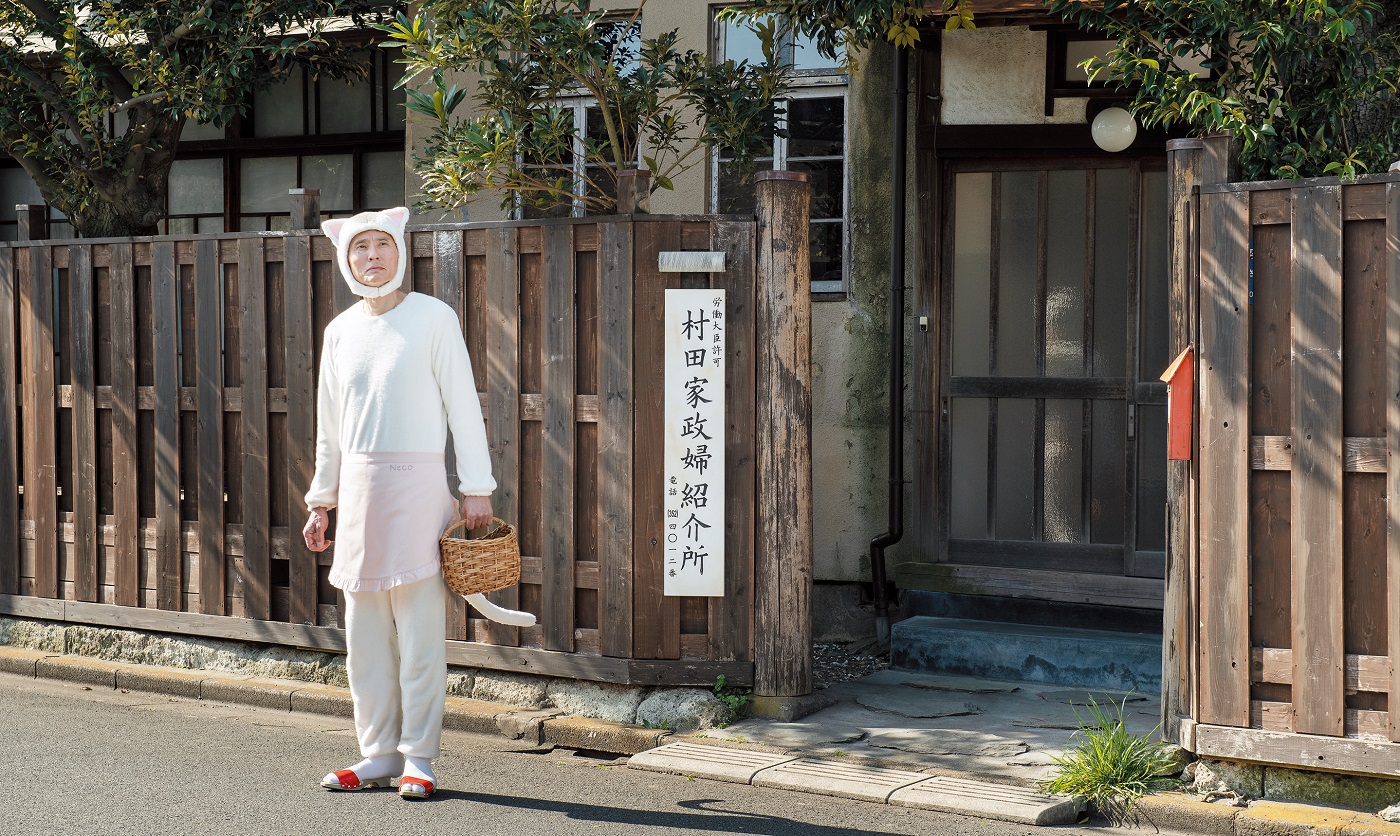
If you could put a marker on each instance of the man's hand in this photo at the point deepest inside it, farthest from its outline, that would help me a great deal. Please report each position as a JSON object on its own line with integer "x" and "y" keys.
{"x": 476, "y": 510}
{"x": 315, "y": 531}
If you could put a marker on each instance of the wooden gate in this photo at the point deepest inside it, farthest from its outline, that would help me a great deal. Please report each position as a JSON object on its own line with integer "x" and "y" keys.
{"x": 163, "y": 435}
{"x": 1295, "y": 578}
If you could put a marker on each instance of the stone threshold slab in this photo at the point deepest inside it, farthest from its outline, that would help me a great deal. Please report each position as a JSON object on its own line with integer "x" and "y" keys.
{"x": 715, "y": 762}
{"x": 843, "y": 780}
{"x": 988, "y": 801}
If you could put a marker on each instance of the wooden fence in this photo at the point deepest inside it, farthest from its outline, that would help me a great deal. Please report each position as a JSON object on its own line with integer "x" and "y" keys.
{"x": 1286, "y": 596}
{"x": 163, "y": 436}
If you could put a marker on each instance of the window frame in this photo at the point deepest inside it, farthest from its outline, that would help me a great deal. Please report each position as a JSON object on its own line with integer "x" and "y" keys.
{"x": 806, "y": 84}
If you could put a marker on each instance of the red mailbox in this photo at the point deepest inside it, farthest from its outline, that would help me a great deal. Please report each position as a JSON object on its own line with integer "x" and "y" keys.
{"x": 1180, "y": 378}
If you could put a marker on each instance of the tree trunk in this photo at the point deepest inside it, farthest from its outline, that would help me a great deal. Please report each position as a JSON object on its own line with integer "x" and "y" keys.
{"x": 138, "y": 213}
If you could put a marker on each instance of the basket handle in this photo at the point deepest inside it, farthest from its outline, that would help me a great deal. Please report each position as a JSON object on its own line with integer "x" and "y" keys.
{"x": 497, "y": 524}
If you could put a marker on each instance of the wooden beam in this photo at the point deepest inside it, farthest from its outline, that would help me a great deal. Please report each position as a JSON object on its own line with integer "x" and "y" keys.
{"x": 9, "y": 427}
{"x": 1359, "y": 454}
{"x": 1392, "y": 460}
{"x": 165, "y": 300}
{"x": 84, "y": 418}
{"x": 1359, "y": 673}
{"x": 1316, "y": 495}
{"x": 615, "y": 463}
{"x": 1334, "y": 754}
{"x": 1223, "y": 682}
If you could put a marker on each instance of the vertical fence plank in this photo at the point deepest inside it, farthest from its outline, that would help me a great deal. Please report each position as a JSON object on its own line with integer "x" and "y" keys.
{"x": 165, "y": 310}
{"x": 41, "y": 469}
{"x": 615, "y": 437}
{"x": 1316, "y": 506}
{"x": 125, "y": 498}
{"x": 1392, "y": 448}
{"x": 1224, "y": 456}
{"x": 656, "y": 619}
{"x": 503, "y": 387}
{"x": 448, "y": 266}
{"x": 84, "y": 388}
{"x": 302, "y": 564}
{"x": 9, "y": 426}
{"x": 210, "y": 403}
{"x": 731, "y": 617}
{"x": 559, "y": 437}
{"x": 252, "y": 345}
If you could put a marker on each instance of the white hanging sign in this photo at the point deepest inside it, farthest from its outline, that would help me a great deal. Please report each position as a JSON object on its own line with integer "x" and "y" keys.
{"x": 694, "y": 454}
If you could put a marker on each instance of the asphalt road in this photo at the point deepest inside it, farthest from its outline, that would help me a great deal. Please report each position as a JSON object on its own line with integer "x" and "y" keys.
{"x": 79, "y": 761}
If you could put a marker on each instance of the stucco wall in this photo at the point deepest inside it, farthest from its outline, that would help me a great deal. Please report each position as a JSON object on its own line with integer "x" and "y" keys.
{"x": 996, "y": 76}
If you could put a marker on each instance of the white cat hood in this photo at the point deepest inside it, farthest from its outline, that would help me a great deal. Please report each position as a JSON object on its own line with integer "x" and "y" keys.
{"x": 342, "y": 231}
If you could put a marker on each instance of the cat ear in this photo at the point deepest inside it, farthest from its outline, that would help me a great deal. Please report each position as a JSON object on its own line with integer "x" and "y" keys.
{"x": 399, "y": 216}
{"x": 332, "y": 229}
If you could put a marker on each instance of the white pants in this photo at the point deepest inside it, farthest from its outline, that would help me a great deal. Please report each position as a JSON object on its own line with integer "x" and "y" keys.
{"x": 397, "y": 664}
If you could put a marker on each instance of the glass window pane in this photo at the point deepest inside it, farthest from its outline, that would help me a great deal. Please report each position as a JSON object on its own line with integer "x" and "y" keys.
{"x": 1016, "y": 454}
{"x": 252, "y": 223}
{"x": 742, "y": 43}
{"x": 816, "y": 127}
{"x": 972, "y": 271}
{"x": 1109, "y": 467}
{"x": 178, "y": 226}
{"x": 1152, "y": 478}
{"x": 1019, "y": 266}
{"x": 736, "y": 189}
{"x": 828, "y": 180}
{"x": 1064, "y": 471}
{"x": 1077, "y": 51}
{"x": 278, "y": 110}
{"x": 805, "y": 55}
{"x": 1064, "y": 275}
{"x": 382, "y": 179}
{"x": 1154, "y": 348}
{"x": 264, "y": 182}
{"x": 827, "y": 251}
{"x": 968, "y": 449}
{"x": 197, "y": 187}
{"x": 334, "y": 176}
{"x": 345, "y": 106}
{"x": 397, "y": 113}
{"x": 211, "y": 225}
{"x": 16, "y": 187}
{"x": 1112, "y": 238}
{"x": 196, "y": 131}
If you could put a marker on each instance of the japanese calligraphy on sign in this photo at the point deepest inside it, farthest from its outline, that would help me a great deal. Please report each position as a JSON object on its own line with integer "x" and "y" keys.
{"x": 694, "y": 472}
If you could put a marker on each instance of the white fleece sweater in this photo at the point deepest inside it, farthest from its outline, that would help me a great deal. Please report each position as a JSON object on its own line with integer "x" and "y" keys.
{"x": 394, "y": 383}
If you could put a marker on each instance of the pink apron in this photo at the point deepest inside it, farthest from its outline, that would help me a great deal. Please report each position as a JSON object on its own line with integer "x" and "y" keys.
{"x": 393, "y": 508}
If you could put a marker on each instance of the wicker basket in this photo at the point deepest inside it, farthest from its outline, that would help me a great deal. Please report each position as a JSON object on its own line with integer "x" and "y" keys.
{"x": 486, "y": 564}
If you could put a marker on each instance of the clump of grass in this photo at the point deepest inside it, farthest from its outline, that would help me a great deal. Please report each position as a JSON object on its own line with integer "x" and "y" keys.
{"x": 1110, "y": 767}
{"x": 736, "y": 698}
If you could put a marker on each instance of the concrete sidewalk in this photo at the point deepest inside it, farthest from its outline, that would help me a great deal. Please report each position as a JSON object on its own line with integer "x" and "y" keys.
{"x": 896, "y": 737}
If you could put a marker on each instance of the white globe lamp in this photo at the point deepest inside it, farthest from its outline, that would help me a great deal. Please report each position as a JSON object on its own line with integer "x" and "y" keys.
{"x": 1114, "y": 129}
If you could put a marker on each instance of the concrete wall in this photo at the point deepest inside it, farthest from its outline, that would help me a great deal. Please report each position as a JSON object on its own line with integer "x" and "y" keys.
{"x": 996, "y": 76}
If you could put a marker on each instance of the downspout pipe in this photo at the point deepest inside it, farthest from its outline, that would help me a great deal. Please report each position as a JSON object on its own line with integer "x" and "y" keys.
{"x": 895, "y": 532}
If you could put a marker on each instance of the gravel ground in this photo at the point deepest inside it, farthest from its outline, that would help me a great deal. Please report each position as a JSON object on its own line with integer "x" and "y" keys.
{"x": 836, "y": 663}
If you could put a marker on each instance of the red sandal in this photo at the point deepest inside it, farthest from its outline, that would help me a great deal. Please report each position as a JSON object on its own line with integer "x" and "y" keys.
{"x": 415, "y": 788}
{"x": 346, "y": 780}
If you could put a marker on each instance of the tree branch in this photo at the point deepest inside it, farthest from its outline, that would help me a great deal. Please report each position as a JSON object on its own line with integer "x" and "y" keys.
{"x": 185, "y": 26}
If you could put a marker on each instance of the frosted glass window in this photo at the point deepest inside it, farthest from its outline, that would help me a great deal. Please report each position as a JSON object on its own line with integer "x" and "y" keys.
{"x": 280, "y": 109}
{"x": 382, "y": 179}
{"x": 972, "y": 269}
{"x": 1154, "y": 348}
{"x": 968, "y": 494}
{"x": 264, "y": 183}
{"x": 210, "y": 225}
{"x": 196, "y": 131}
{"x": 1112, "y": 237}
{"x": 396, "y": 109}
{"x": 1019, "y": 263}
{"x": 1064, "y": 275}
{"x": 1108, "y": 466}
{"x": 1064, "y": 471}
{"x": 346, "y": 107}
{"x": 197, "y": 187}
{"x": 16, "y": 187}
{"x": 1016, "y": 456}
{"x": 335, "y": 176}
{"x": 1080, "y": 51}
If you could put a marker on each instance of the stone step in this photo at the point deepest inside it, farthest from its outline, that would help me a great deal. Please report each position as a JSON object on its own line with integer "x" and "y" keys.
{"x": 1029, "y": 653}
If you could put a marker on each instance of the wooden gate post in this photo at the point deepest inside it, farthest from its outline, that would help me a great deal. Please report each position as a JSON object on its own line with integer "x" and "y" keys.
{"x": 783, "y": 553}
{"x": 306, "y": 208}
{"x": 1178, "y": 645}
